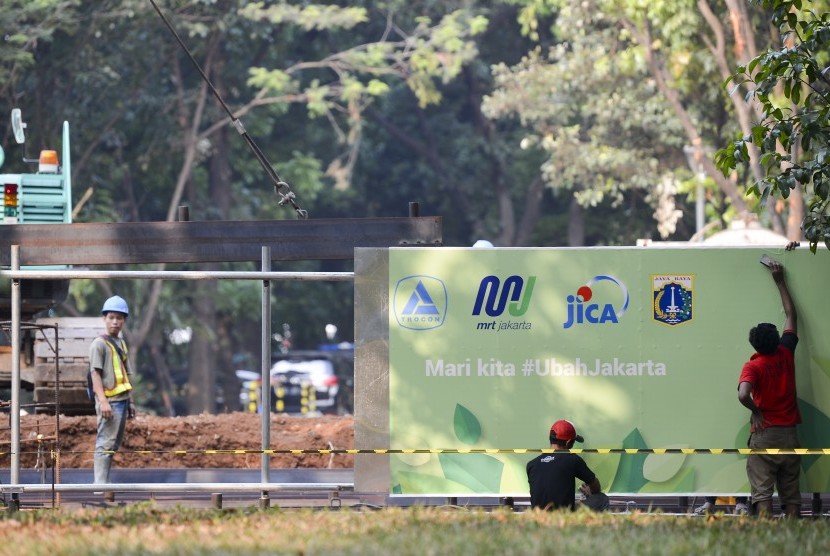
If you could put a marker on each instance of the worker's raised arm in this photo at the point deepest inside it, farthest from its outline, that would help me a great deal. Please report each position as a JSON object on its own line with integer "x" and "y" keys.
{"x": 790, "y": 313}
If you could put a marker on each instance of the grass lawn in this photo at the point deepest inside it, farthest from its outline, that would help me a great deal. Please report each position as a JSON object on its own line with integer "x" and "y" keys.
{"x": 145, "y": 529}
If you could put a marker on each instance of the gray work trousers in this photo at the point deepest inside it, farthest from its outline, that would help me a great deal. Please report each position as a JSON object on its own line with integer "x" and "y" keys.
{"x": 108, "y": 440}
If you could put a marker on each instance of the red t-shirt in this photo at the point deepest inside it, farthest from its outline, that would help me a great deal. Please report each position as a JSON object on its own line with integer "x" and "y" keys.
{"x": 773, "y": 383}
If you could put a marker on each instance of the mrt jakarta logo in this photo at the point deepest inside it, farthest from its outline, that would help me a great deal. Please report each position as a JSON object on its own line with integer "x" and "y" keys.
{"x": 420, "y": 302}
{"x": 494, "y": 297}
{"x": 606, "y": 308}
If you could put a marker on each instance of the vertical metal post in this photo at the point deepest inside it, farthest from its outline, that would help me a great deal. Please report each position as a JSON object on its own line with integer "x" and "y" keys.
{"x": 14, "y": 475}
{"x": 57, "y": 467}
{"x": 414, "y": 209}
{"x": 694, "y": 156}
{"x": 184, "y": 213}
{"x": 266, "y": 366}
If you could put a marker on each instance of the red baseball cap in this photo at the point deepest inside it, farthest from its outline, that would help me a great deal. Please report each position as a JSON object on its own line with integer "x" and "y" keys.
{"x": 565, "y": 431}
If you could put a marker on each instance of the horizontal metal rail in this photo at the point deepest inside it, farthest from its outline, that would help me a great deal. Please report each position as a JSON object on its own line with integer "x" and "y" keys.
{"x": 176, "y": 487}
{"x": 65, "y": 274}
{"x": 462, "y": 451}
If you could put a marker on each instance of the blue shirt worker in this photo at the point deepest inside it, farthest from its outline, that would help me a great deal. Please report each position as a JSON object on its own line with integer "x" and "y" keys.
{"x": 552, "y": 477}
{"x": 110, "y": 374}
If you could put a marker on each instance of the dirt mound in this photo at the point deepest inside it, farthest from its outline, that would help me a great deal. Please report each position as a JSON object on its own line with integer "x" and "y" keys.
{"x": 162, "y": 435}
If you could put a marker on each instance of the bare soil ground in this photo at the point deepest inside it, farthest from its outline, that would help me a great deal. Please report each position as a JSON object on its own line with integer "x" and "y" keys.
{"x": 195, "y": 432}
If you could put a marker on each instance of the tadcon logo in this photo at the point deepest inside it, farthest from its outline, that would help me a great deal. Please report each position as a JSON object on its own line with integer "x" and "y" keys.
{"x": 420, "y": 302}
{"x": 494, "y": 296}
{"x": 580, "y": 311}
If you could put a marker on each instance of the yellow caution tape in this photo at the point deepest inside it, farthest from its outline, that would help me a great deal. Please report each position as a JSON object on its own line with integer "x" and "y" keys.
{"x": 354, "y": 451}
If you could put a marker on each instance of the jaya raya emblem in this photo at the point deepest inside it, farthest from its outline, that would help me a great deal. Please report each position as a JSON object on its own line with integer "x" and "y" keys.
{"x": 673, "y": 298}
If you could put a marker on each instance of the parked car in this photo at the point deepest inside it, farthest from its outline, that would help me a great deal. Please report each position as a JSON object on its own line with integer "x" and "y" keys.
{"x": 249, "y": 392}
{"x": 304, "y": 386}
{"x": 337, "y": 363}
{"x": 304, "y": 382}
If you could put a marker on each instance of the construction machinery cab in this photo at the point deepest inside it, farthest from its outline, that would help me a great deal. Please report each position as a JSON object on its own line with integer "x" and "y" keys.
{"x": 42, "y": 197}
{"x": 41, "y": 194}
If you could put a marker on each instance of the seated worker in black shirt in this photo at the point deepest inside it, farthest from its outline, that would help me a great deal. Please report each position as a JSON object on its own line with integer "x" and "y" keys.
{"x": 552, "y": 477}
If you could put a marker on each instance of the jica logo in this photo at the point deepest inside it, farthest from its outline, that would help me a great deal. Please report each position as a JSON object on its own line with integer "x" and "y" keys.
{"x": 580, "y": 311}
{"x": 514, "y": 294}
{"x": 420, "y": 302}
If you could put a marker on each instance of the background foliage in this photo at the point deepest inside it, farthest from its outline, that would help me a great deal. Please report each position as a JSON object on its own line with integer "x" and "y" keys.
{"x": 525, "y": 122}
{"x": 791, "y": 85}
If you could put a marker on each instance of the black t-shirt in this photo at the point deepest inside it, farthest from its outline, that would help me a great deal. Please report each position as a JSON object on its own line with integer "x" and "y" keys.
{"x": 552, "y": 479}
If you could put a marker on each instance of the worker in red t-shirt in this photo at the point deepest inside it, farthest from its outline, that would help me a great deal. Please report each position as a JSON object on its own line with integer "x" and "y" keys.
{"x": 767, "y": 389}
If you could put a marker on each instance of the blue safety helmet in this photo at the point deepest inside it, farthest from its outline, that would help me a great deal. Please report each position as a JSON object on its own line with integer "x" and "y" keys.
{"x": 115, "y": 303}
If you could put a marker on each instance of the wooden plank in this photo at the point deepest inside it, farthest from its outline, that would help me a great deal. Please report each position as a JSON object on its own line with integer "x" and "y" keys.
{"x": 73, "y": 323}
{"x": 72, "y": 348}
{"x": 76, "y": 334}
{"x": 70, "y": 372}
{"x": 72, "y": 397}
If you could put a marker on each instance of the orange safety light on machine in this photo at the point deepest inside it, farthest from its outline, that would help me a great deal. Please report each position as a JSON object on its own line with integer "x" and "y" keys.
{"x": 10, "y": 202}
{"x": 48, "y": 163}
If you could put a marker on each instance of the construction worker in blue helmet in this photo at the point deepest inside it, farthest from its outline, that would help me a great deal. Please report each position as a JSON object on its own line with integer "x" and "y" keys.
{"x": 110, "y": 374}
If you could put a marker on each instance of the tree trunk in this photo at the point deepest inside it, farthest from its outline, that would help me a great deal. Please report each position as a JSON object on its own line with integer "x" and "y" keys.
{"x": 201, "y": 384}
{"x": 227, "y": 376}
{"x": 164, "y": 380}
{"x": 190, "y": 124}
{"x": 796, "y": 215}
{"x": 662, "y": 79}
{"x": 498, "y": 174}
{"x": 532, "y": 209}
{"x": 204, "y": 347}
{"x": 576, "y": 224}
{"x": 745, "y": 49}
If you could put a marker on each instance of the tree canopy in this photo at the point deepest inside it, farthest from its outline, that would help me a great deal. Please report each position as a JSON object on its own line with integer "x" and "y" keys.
{"x": 524, "y": 122}
{"x": 792, "y": 138}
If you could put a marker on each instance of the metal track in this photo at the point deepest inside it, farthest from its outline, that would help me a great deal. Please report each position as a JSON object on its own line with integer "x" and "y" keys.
{"x": 317, "y": 488}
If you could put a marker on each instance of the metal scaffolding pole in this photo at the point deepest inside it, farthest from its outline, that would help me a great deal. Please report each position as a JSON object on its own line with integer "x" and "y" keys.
{"x": 176, "y": 275}
{"x": 15, "y": 409}
{"x": 16, "y": 274}
{"x": 265, "y": 395}
{"x": 174, "y": 487}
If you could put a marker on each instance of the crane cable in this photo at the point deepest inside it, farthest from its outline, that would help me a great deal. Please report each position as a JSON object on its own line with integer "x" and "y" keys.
{"x": 281, "y": 187}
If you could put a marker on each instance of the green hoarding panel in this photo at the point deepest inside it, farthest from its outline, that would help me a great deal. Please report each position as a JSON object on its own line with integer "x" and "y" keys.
{"x": 639, "y": 347}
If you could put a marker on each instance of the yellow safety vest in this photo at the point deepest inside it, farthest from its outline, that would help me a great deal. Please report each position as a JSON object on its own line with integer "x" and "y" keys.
{"x": 119, "y": 367}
